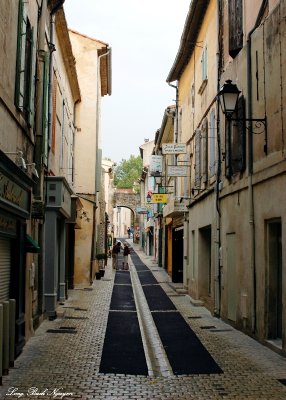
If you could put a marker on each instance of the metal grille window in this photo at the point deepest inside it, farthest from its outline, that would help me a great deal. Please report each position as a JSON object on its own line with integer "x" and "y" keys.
{"x": 25, "y": 66}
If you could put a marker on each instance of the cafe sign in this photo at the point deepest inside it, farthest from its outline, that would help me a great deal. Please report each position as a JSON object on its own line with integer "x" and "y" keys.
{"x": 174, "y": 148}
{"x": 159, "y": 198}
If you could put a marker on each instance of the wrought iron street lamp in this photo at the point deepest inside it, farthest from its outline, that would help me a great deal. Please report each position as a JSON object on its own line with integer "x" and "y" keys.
{"x": 228, "y": 98}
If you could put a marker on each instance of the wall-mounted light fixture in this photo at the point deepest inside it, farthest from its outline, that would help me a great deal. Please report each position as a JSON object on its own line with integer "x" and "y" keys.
{"x": 148, "y": 197}
{"x": 228, "y": 98}
{"x": 19, "y": 161}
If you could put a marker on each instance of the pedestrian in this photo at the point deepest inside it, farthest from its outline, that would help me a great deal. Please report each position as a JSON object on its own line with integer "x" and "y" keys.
{"x": 115, "y": 252}
{"x": 128, "y": 232}
{"x": 126, "y": 253}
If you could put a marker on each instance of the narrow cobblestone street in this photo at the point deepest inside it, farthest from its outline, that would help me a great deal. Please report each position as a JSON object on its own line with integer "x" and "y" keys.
{"x": 66, "y": 365}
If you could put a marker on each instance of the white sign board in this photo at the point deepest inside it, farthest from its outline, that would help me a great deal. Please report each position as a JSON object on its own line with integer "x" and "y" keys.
{"x": 174, "y": 148}
{"x": 156, "y": 163}
{"x": 177, "y": 170}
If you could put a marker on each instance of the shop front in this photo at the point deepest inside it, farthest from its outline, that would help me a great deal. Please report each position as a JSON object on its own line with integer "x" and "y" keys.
{"x": 15, "y": 207}
{"x": 58, "y": 212}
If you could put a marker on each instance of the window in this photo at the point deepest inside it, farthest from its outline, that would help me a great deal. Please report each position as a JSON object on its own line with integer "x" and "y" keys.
{"x": 204, "y": 66}
{"x": 235, "y": 26}
{"x": 198, "y": 158}
{"x": 45, "y": 120}
{"x": 212, "y": 142}
{"x": 193, "y": 97}
{"x": 204, "y": 156}
{"x": 204, "y": 62}
{"x": 25, "y": 66}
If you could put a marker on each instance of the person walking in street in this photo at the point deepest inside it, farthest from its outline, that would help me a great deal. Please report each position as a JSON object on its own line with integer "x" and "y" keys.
{"x": 115, "y": 252}
{"x": 126, "y": 253}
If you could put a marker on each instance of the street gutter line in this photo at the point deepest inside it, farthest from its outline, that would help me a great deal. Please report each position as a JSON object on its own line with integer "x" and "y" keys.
{"x": 156, "y": 358}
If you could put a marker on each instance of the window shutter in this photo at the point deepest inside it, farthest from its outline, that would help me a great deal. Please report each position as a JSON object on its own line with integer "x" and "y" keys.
{"x": 20, "y": 62}
{"x": 54, "y": 115}
{"x": 212, "y": 141}
{"x": 198, "y": 158}
{"x": 228, "y": 147}
{"x": 205, "y": 151}
{"x": 235, "y": 27}
{"x": 238, "y": 138}
{"x": 32, "y": 81}
{"x": 45, "y": 126}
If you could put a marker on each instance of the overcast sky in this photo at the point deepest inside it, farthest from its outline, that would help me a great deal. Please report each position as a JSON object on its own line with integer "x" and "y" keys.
{"x": 144, "y": 37}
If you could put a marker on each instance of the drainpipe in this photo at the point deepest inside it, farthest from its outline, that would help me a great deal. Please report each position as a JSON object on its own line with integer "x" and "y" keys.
{"x": 217, "y": 299}
{"x": 250, "y": 166}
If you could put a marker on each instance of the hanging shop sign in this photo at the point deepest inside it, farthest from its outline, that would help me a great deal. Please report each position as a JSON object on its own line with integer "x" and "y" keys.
{"x": 159, "y": 198}
{"x": 156, "y": 163}
{"x": 177, "y": 170}
{"x": 174, "y": 148}
{"x": 141, "y": 210}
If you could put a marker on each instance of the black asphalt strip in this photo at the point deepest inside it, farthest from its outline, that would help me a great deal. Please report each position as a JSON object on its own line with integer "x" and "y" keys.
{"x": 184, "y": 350}
{"x": 123, "y": 351}
{"x": 147, "y": 278}
{"x": 157, "y": 298}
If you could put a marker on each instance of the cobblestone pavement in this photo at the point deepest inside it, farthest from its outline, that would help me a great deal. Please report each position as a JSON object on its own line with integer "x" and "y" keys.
{"x": 66, "y": 365}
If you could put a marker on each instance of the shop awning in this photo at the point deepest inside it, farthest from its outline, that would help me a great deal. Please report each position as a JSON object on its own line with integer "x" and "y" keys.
{"x": 31, "y": 245}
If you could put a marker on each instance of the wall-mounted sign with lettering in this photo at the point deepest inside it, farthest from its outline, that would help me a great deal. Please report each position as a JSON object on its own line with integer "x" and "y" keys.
{"x": 156, "y": 163}
{"x": 159, "y": 198}
{"x": 174, "y": 148}
{"x": 177, "y": 170}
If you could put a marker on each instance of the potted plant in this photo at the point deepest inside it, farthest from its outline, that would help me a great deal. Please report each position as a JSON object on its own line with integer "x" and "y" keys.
{"x": 100, "y": 257}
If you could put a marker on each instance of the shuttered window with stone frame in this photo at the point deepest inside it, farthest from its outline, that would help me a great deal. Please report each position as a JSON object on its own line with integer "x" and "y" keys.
{"x": 212, "y": 142}
{"x": 25, "y": 66}
{"x": 198, "y": 158}
{"x": 204, "y": 150}
{"x": 235, "y": 26}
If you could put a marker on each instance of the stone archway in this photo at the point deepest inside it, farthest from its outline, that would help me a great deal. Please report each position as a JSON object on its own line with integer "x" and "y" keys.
{"x": 128, "y": 199}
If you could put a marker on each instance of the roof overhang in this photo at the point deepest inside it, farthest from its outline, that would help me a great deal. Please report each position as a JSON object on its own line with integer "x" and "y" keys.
{"x": 105, "y": 70}
{"x": 188, "y": 38}
{"x": 66, "y": 49}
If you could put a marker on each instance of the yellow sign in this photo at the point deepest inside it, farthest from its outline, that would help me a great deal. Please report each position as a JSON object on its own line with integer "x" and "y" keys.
{"x": 159, "y": 198}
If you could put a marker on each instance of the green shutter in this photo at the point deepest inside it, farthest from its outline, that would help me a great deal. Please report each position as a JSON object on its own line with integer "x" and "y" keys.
{"x": 45, "y": 126}
{"x": 20, "y": 62}
{"x": 32, "y": 70}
